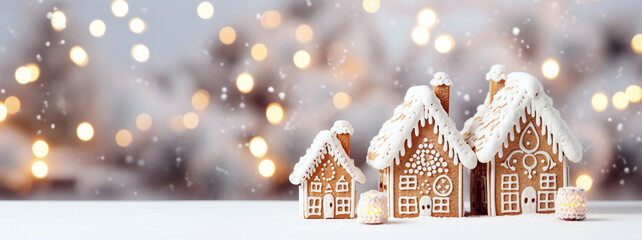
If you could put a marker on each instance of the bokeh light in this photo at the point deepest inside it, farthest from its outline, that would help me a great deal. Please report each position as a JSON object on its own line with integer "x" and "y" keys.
{"x": 444, "y": 43}
{"x": 85, "y": 131}
{"x": 427, "y": 18}
{"x": 420, "y": 35}
{"x": 245, "y": 82}
{"x": 227, "y": 35}
{"x": 143, "y": 122}
{"x": 23, "y": 75}
{"x": 636, "y": 43}
{"x": 34, "y": 70}
{"x": 371, "y": 6}
{"x": 190, "y": 120}
{"x": 123, "y": 138}
{"x": 304, "y": 33}
{"x": 39, "y": 169}
{"x": 585, "y": 181}
{"x": 78, "y": 55}
{"x": 40, "y": 149}
{"x": 140, "y": 53}
{"x": 301, "y": 59}
{"x": 259, "y": 52}
{"x": 200, "y": 99}
{"x": 97, "y": 28}
{"x": 266, "y": 168}
{"x": 177, "y": 123}
{"x": 341, "y": 100}
{"x": 270, "y": 19}
{"x": 58, "y": 20}
{"x": 3, "y": 112}
{"x": 205, "y": 10}
{"x": 258, "y": 146}
{"x": 634, "y": 93}
{"x": 550, "y": 68}
{"x": 274, "y": 113}
{"x": 137, "y": 25}
{"x": 620, "y": 100}
{"x": 12, "y": 103}
{"x": 599, "y": 102}
{"x": 119, "y": 8}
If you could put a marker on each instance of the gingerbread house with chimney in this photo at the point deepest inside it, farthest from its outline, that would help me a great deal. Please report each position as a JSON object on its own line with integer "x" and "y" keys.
{"x": 523, "y": 147}
{"x": 421, "y": 155}
{"x": 326, "y": 175}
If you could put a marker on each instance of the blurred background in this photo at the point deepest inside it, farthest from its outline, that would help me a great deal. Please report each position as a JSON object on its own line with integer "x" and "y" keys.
{"x": 219, "y": 99}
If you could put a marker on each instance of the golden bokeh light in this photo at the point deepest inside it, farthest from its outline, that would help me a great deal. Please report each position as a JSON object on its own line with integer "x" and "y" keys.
{"x": 58, "y": 20}
{"x": 119, "y": 8}
{"x": 341, "y": 100}
{"x": 3, "y": 112}
{"x": 304, "y": 33}
{"x": 259, "y": 52}
{"x": 40, "y": 149}
{"x": 634, "y": 93}
{"x": 301, "y": 59}
{"x": 620, "y": 100}
{"x": 97, "y": 28}
{"x": 78, "y": 55}
{"x": 34, "y": 70}
{"x": 584, "y": 181}
{"x": 205, "y": 10}
{"x": 12, "y": 104}
{"x": 200, "y": 99}
{"x": 137, "y": 25}
{"x": 427, "y": 17}
{"x": 85, "y": 131}
{"x": 636, "y": 43}
{"x": 140, "y": 53}
{"x": 420, "y": 35}
{"x": 550, "y": 68}
{"x": 599, "y": 102}
{"x": 39, "y": 169}
{"x": 270, "y": 19}
{"x": 274, "y": 113}
{"x": 444, "y": 43}
{"x": 190, "y": 120}
{"x": 267, "y": 168}
{"x": 143, "y": 122}
{"x": 245, "y": 82}
{"x": 123, "y": 138}
{"x": 23, "y": 75}
{"x": 371, "y": 6}
{"x": 258, "y": 146}
{"x": 227, "y": 35}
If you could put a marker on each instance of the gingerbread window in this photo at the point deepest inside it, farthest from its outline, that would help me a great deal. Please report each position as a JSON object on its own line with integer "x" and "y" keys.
{"x": 441, "y": 205}
{"x": 510, "y": 182}
{"x": 545, "y": 200}
{"x": 407, "y": 182}
{"x": 547, "y": 181}
{"x": 510, "y": 202}
{"x": 315, "y": 186}
{"x": 314, "y": 206}
{"x": 407, "y": 205}
{"x": 343, "y": 205}
{"x": 342, "y": 185}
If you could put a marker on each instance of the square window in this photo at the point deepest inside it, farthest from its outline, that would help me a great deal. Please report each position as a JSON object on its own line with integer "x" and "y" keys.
{"x": 510, "y": 204}
{"x": 407, "y": 182}
{"x": 342, "y": 185}
{"x": 407, "y": 205}
{"x": 546, "y": 200}
{"x": 315, "y": 186}
{"x": 510, "y": 182}
{"x": 343, "y": 205}
{"x": 441, "y": 204}
{"x": 314, "y": 206}
{"x": 547, "y": 181}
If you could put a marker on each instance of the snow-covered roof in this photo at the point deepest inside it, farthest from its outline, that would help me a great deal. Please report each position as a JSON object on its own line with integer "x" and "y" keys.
{"x": 419, "y": 106}
{"x": 497, "y": 73}
{"x": 441, "y": 78}
{"x": 492, "y": 126}
{"x": 324, "y": 142}
{"x": 342, "y": 127}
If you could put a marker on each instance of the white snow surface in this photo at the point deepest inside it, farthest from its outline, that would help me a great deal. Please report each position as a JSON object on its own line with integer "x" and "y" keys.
{"x": 497, "y": 73}
{"x": 441, "y": 78}
{"x": 342, "y": 127}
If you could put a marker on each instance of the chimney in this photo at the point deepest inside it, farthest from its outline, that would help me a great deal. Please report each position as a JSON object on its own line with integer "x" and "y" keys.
{"x": 496, "y": 78}
{"x": 342, "y": 129}
{"x": 441, "y": 86}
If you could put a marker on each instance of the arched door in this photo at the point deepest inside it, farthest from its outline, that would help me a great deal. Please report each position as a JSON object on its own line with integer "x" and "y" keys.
{"x": 328, "y": 206}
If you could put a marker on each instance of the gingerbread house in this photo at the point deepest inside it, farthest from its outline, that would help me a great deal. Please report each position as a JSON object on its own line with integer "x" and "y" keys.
{"x": 326, "y": 175}
{"x": 523, "y": 147}
{"x": 420, "y": 155}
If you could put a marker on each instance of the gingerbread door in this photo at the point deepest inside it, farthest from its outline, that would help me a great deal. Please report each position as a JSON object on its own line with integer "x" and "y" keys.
{"x": 328, "y": 206}
{"x": 529, "y": 202}
{"x": 424, "y": 206}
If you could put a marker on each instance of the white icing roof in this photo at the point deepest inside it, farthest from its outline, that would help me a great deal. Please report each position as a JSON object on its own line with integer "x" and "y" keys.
{"x": 441, "y": 78}
{"x": 342, "y": 127}
{"x": 492, "y": 125}
{"x": 497, "y": 73}
{"x": 419, "y": 105}
{"x": 324, "y": 142}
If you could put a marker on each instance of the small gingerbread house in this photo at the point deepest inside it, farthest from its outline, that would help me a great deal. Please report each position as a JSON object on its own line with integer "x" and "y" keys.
{"x": 420, "y": 155}
{"x": 326, "y": 175}
{"x": 522, "y": 144}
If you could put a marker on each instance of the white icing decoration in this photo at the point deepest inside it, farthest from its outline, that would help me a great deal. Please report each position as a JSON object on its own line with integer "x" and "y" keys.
{"x": 342, "y": 127}
{"x": 441, "y": 78}
{"x": 497, "y": 73}
{"x": 443, "y": 186}
{"x": 527, "y": 152}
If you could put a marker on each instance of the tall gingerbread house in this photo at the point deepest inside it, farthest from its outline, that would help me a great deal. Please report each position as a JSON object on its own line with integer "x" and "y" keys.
{"x": 523, "y": 147}
{"x": 326, "y": 175}
{"x": 420, "y": 155}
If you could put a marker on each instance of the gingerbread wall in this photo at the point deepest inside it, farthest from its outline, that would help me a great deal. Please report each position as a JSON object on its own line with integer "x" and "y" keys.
{"x": 326, "y": 171}
{"x": 527, "y": 153}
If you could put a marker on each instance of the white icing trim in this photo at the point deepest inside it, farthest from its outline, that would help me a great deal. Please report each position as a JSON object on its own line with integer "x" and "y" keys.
{"x": 342, "y": 127}
{"x": 352, "y": 196}
{"x": 492, "y": 198}
{"x": 448, "y": 181}
{"x": 391, "y": 191}
{"x": 441, "y": 78}
{"x": 461, "y": 192}
{"x": 497, "y": 73}
{"x": 420, "y": 107}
